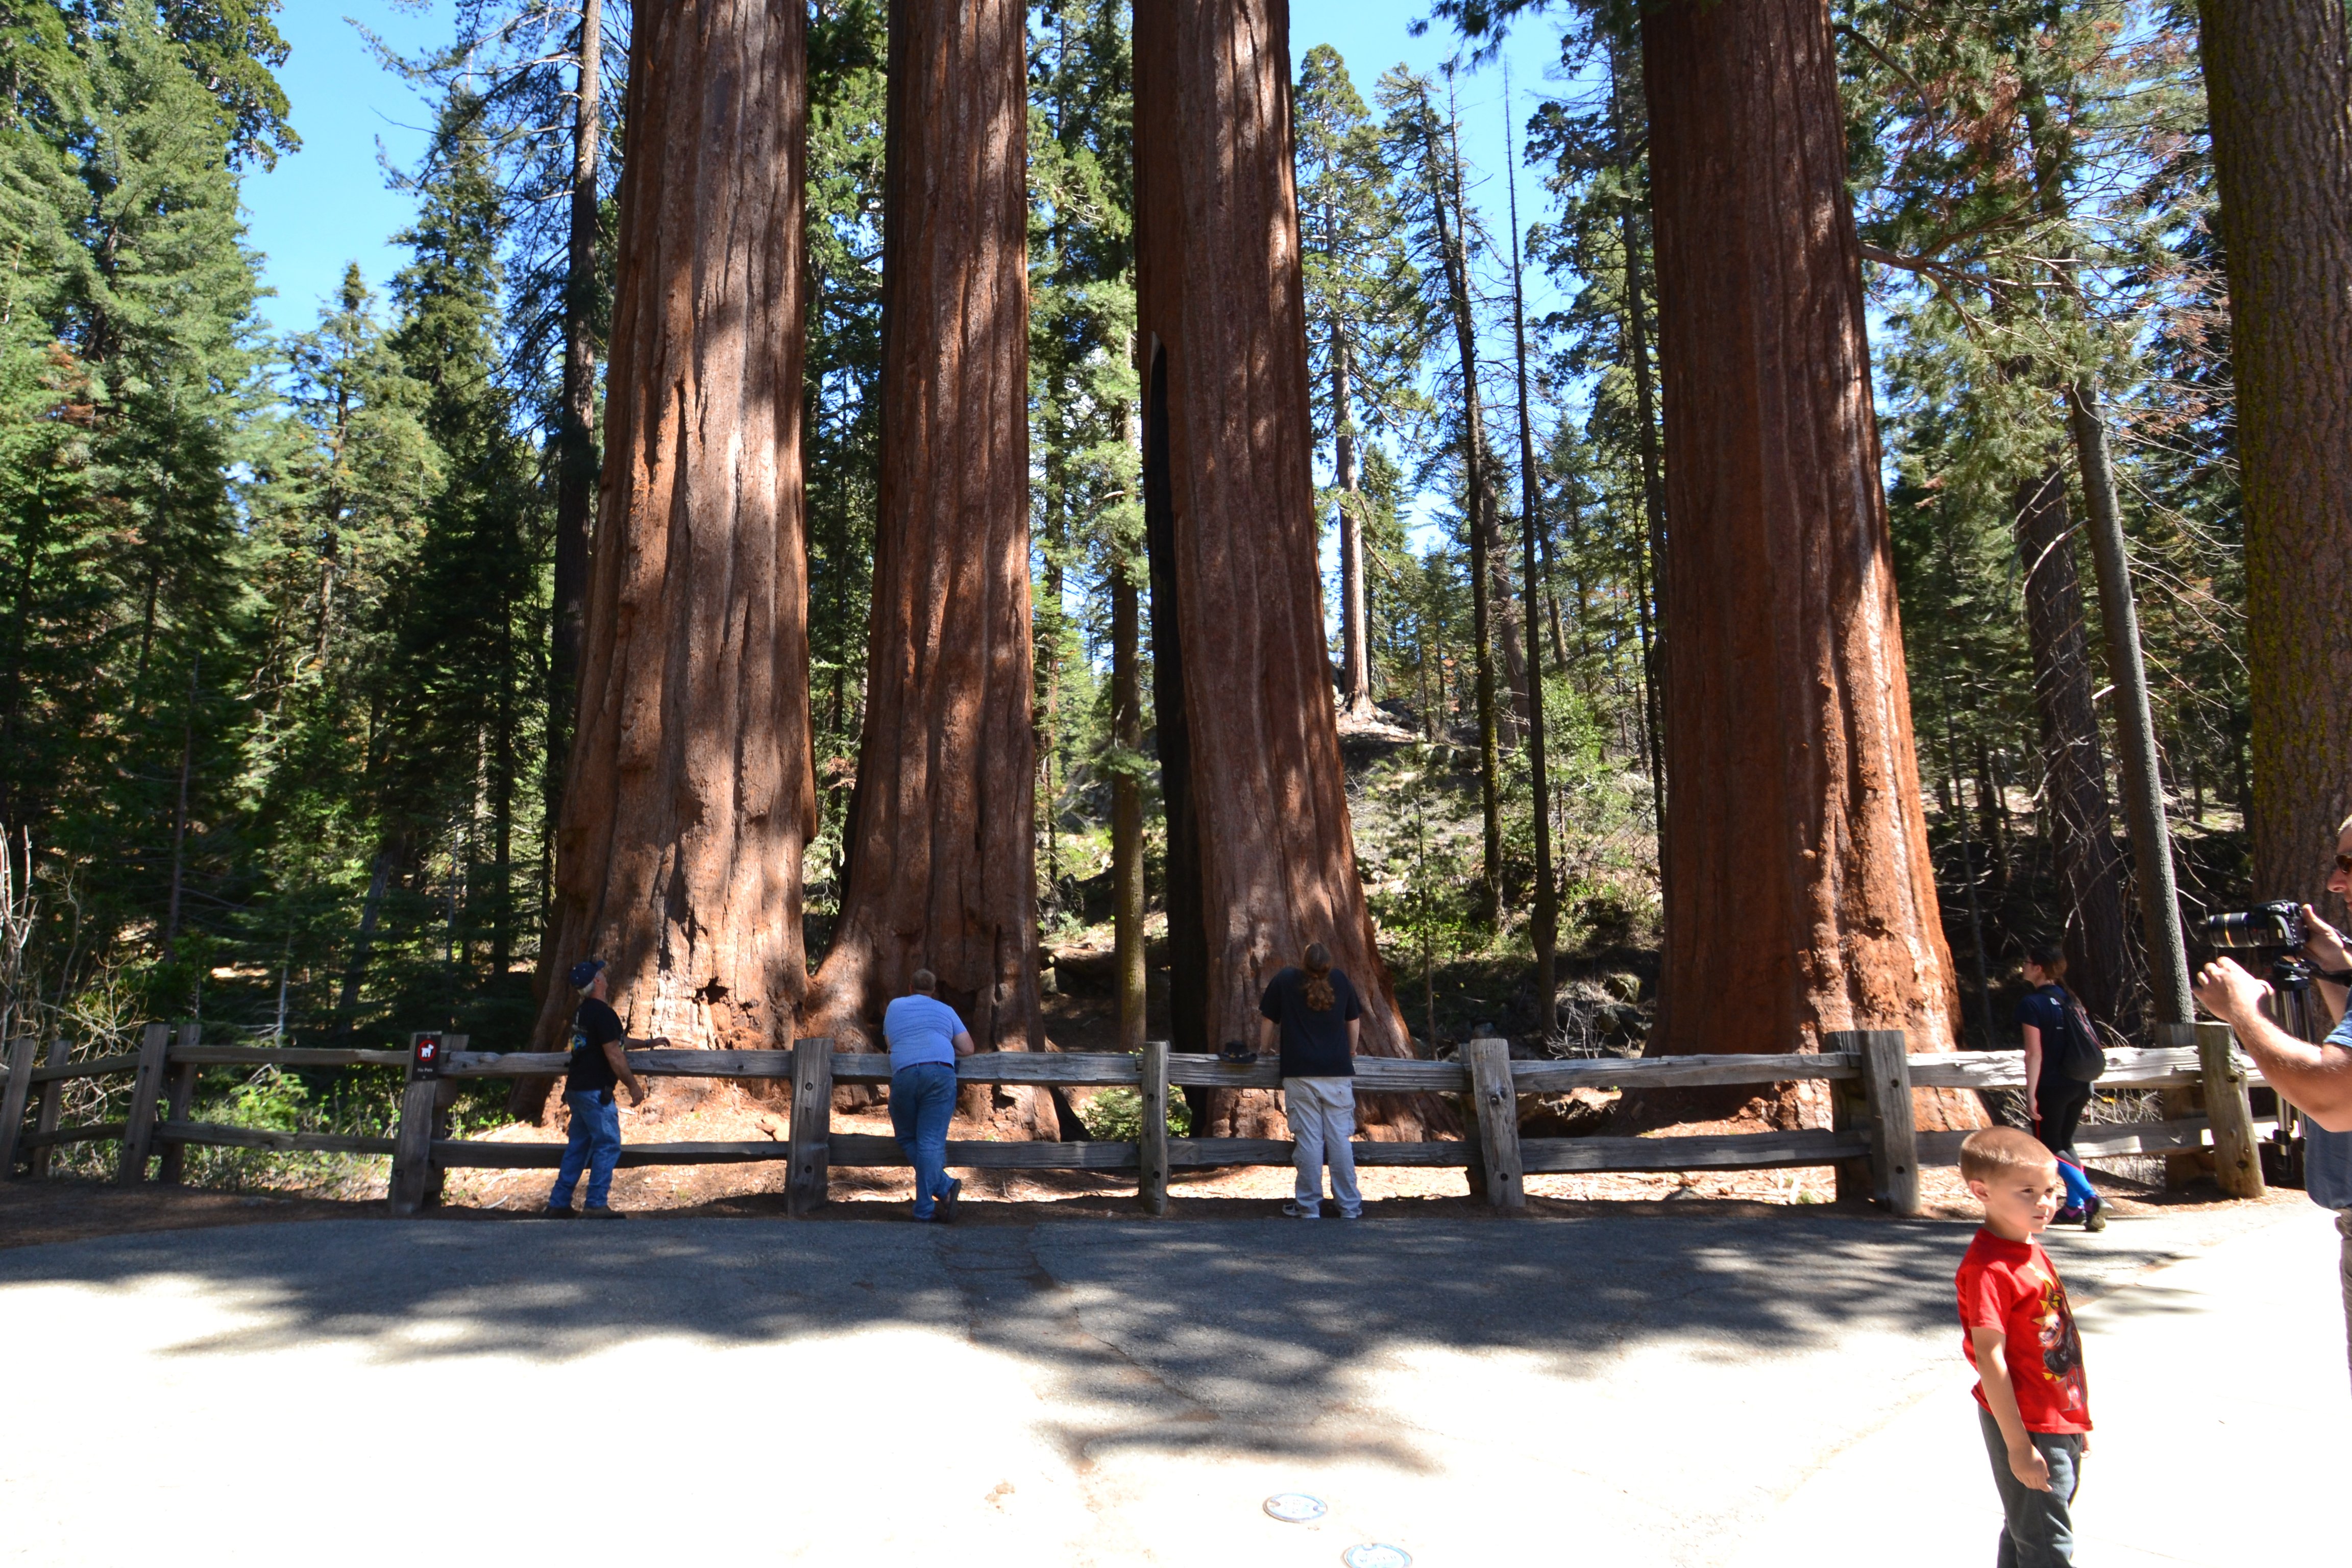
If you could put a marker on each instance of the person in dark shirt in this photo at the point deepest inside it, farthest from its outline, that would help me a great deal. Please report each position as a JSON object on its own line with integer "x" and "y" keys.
{"x": 1314, "y": 1019}
{"x": 598, "y": 1063}
{"x": 2053, "y": 1100}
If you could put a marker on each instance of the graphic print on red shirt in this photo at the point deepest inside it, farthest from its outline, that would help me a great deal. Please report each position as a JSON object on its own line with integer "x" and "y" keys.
{"x": 2012, "y": 1286}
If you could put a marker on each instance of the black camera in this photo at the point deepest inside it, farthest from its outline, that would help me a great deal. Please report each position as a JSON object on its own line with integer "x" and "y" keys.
{"x": 2274, "y": 925}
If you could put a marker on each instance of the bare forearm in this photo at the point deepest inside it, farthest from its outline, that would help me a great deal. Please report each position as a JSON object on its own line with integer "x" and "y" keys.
{"x": 2316, "y": 1078}
{"x": 2000, "y": 1392}
{"x": 615, "y": 1054}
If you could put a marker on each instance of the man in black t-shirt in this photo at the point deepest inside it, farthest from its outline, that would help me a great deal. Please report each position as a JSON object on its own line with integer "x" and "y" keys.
{"x": 598, "y": 1063}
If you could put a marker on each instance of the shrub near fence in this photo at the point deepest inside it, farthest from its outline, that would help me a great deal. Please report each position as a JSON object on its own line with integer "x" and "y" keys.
{"x": 1872, "y": 1139}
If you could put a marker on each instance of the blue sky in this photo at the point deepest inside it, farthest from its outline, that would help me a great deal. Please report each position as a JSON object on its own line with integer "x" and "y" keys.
{"x": 328, "y": 204}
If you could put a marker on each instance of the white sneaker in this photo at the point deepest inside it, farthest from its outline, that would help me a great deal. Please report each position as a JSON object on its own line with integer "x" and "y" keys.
{"x": 1297, "y": 1210}
{"x": 1352, "y": 1213}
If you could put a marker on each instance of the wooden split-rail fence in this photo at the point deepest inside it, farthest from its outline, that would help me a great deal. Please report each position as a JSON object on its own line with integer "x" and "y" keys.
{"x": 1872, "y": 1139}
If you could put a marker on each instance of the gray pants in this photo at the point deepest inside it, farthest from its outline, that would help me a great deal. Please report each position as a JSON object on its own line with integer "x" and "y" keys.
{"x": 2344, "y": 1226}
{"x": 2038, "y": 1528}
{"x": 1322, "y": 1116}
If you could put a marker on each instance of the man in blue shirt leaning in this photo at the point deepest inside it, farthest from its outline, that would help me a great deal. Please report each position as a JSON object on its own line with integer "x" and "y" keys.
{"x": 925, "y": 1037}
{"x": 2316, "y": 1078}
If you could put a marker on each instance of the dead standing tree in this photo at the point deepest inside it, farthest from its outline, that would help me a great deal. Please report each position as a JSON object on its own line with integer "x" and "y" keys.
{"x": 689, "y": 795}
{"x": 1261, "y": 857}
{"x": 2081, "y": 827}
{"x": 941, "y": 856}
{"x": 1803, "y": 900}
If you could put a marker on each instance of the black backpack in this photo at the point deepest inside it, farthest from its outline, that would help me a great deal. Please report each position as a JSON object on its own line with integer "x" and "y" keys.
{"x": 2075, "y": 1052}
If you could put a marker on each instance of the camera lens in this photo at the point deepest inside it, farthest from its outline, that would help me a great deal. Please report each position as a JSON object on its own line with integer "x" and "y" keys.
{"x": 2247, "y": 929}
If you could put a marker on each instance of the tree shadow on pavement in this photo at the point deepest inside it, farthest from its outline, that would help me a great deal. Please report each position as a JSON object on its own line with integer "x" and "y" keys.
{"x": 1243, "y": 1331}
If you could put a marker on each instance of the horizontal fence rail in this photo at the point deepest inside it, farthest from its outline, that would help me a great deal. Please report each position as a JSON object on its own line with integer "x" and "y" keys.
{"x": 1871, "y": 1142}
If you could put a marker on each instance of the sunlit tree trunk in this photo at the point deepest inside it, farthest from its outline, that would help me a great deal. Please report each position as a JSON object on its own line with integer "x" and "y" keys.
{"x": 943, "y": 856}
{"x": 1801, "y": 898}
{"x": 1257, "y": 802}
{"x": 689, "y": 795}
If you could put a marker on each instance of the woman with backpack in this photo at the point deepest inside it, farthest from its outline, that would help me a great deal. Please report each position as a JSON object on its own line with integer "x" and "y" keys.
{"x": 2061, "y": 1060}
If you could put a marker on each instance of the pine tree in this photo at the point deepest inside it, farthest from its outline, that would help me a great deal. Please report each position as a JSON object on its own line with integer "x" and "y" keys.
{"x": 1368, "y": 324}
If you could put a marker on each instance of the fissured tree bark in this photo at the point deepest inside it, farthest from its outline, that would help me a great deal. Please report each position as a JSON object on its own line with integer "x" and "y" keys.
{"x": 2279, "y": 89}
{"x": 2081, "y": 829}
{"x": 689, "y": 795}
{"x": 1261, "y": 856}
{"x": 1801, "y": 900}
{"x": 941, "y": 868}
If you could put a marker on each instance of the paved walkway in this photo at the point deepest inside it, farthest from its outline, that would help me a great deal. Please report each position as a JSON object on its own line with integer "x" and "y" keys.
{"x": 2224, "y": 1411}
{"x": 1622, "y": 1392}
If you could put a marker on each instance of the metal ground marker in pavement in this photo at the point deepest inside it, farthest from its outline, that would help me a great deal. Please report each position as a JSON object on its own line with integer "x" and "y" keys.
{"x": 1377, "y": 1554}
{"x": 1295, "y": 1507}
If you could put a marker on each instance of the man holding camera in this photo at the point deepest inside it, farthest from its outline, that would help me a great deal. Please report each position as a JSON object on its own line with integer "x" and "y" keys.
{"x": 2316, "y": 1079}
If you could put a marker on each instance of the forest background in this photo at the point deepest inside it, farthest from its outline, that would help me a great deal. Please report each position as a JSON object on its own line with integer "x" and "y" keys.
{"x": 284, "y": 667}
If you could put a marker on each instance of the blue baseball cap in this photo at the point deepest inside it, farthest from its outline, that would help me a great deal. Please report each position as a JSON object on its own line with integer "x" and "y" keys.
{"x": 584, "y": 973}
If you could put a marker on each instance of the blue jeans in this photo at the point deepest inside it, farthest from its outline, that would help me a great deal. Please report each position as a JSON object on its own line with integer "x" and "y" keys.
{"x": 2038, "y": 1528}
{"x": 595, "y": 1143}
{"x": 922, "y": 1098}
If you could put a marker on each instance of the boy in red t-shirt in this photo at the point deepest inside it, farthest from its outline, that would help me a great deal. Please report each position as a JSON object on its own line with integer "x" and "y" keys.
{"x": 2018, "y": 1334}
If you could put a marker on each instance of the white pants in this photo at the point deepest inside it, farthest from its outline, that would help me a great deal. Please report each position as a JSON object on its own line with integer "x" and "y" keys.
{"x": 1322, "y": 1115}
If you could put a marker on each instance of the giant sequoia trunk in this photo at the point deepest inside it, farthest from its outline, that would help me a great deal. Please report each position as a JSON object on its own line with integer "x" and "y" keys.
{"x": 2075, "y": 790}
{"x": 2280, "y": 93}
{"x": 1261, "y": 858}
{"x": 1801, "y": 900}
{"x": 688, "y": 795}
{"x": 941, "y": 859}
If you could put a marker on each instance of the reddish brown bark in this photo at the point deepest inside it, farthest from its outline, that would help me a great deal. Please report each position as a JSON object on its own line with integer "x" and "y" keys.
{"x": 2279, "y": 85}
{"x": 1802, "y": 899}
{"x": 941, "y": 859}
{"x": 1262, "y": 857}
{"x": 689, "y": 795}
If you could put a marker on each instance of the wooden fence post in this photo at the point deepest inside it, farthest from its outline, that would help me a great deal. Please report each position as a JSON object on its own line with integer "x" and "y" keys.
{"x": 1895, "y": 1135}
{"x": 2185, "y": 1167}
{"x": 812, "y": 1125}
{"x": 146, "y": 1091}
{"x": 53, "y": 1105}
{"x": 2237, "y": 1163}
{"x": 412, "y": 1141}
{"x": 12, "y": 1100}
{"x": 182, "y": 1093}
{"x": 1850, "y": 1112}
{"x": 1497, "y": 1100}
{"x": 444, "y": 1099}
{"x": 1151, "y": 1137}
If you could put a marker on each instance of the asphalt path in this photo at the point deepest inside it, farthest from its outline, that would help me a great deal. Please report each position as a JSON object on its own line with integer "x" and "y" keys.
{"x": 1628, "y": 1392}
